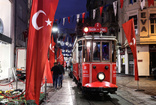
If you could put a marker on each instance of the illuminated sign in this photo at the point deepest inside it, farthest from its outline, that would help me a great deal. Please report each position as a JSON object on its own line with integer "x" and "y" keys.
{"x": 96, "y": 28}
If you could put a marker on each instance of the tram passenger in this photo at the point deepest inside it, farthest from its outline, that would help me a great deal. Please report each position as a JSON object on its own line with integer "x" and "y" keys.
{"x": 60, "y": 79}
{"x": 96, "y": 54}
{"x": 56, "y": 71}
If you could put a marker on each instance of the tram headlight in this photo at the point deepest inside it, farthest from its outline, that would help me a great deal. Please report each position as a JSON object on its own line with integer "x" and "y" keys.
{"x": 101, "y": 76}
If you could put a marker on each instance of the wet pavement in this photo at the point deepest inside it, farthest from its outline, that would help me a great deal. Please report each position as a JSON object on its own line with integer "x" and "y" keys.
{"x": 69, "y": 94}
{"x": 128, "y": 93}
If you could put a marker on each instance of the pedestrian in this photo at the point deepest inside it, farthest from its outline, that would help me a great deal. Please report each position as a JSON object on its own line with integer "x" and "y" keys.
{"x": 56, "y": 71}
{"x": 61, "y": 75}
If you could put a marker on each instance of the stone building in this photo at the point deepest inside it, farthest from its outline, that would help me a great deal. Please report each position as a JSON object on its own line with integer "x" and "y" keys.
{"x": 145, "y": 30}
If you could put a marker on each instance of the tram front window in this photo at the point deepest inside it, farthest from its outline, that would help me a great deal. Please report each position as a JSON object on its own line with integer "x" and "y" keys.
{"x": 96, "y": 51}
{"x": 105, "y": 51}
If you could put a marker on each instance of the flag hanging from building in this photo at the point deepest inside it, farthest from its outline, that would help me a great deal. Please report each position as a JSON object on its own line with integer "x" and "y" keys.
{"x": 41, "y": 21}
{"x": 52, "y": 53}
{"x": 121, "y": 3}
{"x": 115, "y": 7}
{"x": 83, "y": 16}
{"x": 130, "y": 35}
{"x": 101, "y": 8}
{"x": 78, "y": 17}
{"x": 64, "y": 20}
{"x": 150, "y": 2}
{"x": 94, "y": 13}
{"x": 142, "y": 4}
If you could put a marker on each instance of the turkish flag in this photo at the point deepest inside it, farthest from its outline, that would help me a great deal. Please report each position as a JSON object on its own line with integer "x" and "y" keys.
{"x": 101, "y": 8}
{"x": 121, "y": 3}
{"x": 52, "y": 53}
{"x": 130, "y": 35}
{"x": 60, "y": 57}
{"x": 69, "y": 19}
{"x": 41, "y": 21}
{"x": 150, "y": 2}
{"x": 83, "y": 16}
{"x": 47, "y": 73}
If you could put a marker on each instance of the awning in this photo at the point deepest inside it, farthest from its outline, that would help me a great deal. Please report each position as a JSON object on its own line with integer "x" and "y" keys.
{"x": 5, "y": 38}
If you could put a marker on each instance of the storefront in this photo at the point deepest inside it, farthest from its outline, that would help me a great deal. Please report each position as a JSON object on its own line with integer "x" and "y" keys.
{"x": 6, "y": 39}
{"x": 152, "y": 50}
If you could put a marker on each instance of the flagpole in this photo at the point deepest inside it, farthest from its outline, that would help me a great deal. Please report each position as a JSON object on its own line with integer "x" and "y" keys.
{"x": 138, "y": 87}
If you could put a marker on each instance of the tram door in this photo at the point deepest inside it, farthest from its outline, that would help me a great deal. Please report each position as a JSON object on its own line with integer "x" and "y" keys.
{"x": 80, "y": 59}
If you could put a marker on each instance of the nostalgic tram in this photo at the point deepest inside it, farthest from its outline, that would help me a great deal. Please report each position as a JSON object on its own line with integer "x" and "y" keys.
{"x": 94, "y": 62}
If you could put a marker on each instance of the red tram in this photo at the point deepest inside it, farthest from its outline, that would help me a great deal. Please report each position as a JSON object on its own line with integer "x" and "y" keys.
{"x": 94, "y": 63}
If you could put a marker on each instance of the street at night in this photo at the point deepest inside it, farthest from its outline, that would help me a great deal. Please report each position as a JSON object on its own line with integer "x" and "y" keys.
{"x": 78, "y": 52}
{"x": 70, "y": 94}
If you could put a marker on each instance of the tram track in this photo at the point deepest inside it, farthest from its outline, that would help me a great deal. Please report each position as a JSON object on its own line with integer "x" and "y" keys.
{"x": 112, "y": 99}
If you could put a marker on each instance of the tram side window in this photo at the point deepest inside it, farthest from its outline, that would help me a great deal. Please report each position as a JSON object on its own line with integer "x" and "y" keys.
{"x": 105, "y": 51}
{"x": 88, "y": 53}
{"x": 96, "y": 50}
{"x": 84, "y": 56}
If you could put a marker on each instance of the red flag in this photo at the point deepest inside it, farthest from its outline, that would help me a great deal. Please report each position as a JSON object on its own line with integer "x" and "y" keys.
{"x": 101, "y": 8}
{"x": 41, "y": 20}
{"x": 47, "y": 73}
{"x": 52, "y": 53}
{"x": 130, "y": 35}
{"x": 150, "y": 2}
{"x": 83, "y": 16}
{"x": 60, "y": 57}
{"x": 69, "y": 19}
{"x": 121, "y": 3}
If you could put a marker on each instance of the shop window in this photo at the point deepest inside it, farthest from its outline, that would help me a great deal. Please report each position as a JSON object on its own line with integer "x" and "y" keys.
{"x": 153, "y": 23}
{"x": 135, "y": 23}
{"x": 20, "y": 11}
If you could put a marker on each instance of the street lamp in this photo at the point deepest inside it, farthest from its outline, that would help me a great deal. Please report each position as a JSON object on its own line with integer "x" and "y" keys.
{"x": 54, "y": 29}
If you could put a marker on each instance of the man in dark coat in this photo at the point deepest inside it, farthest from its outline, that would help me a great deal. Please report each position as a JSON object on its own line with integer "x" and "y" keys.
{"x": 56, "y": 71}
{"x": 61, "y": 75}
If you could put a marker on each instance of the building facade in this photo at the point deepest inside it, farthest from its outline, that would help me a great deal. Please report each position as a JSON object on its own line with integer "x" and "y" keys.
{"x": 6, "y": 38}
{"x": 145, "y": 30}
{"x": 13, "y": 22}
{"x": 107, "y": 18}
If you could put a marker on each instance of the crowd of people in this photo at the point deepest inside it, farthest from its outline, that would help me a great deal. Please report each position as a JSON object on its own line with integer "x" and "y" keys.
{"x": 58, "y": 72}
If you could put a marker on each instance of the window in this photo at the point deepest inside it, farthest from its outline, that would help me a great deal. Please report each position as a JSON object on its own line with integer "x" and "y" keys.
{"x": 135, "y": 23}
{"x": 105, "y": 51}
{"x": 20, "y": 11}
{"x": 132, "y": 1}
{"x": 1, "y": 26}
{"x": 96, "y": 51}
{"x": 153, "y": 23}
{"x": 88, "y": 51}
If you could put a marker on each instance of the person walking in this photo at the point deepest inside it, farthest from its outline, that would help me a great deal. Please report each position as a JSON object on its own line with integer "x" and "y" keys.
{"x": 56, "y": 71}
{"x": 61, "y": 75}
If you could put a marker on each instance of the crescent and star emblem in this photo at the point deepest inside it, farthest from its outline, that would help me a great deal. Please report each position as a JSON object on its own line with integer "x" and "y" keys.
{"x": 51, "y": 48}
{"x": 34, "y": 20}
{"x": 132, "y": 43}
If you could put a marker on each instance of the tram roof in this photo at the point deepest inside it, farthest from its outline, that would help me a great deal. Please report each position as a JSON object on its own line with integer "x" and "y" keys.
{"x": 96, "y": 37}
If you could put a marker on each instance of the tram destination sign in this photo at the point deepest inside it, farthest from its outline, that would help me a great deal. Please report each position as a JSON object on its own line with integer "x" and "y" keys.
{"x": 96, "y": 28}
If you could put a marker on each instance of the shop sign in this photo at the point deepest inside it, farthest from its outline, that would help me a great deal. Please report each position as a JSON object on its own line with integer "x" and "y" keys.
{"x": 143, "y": 24}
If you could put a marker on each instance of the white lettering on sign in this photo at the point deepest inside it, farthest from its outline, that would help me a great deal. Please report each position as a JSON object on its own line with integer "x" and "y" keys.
{"x": 92, "y": 29}
{"x": 85, "y": 67}
{"x": 85, "y": 72}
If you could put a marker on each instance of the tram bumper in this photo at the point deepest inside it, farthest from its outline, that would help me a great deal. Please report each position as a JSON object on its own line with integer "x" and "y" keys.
{"x": 100, "y": 87}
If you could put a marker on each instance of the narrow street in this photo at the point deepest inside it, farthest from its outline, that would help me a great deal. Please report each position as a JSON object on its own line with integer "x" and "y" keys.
{"x": 69, "y": 94}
